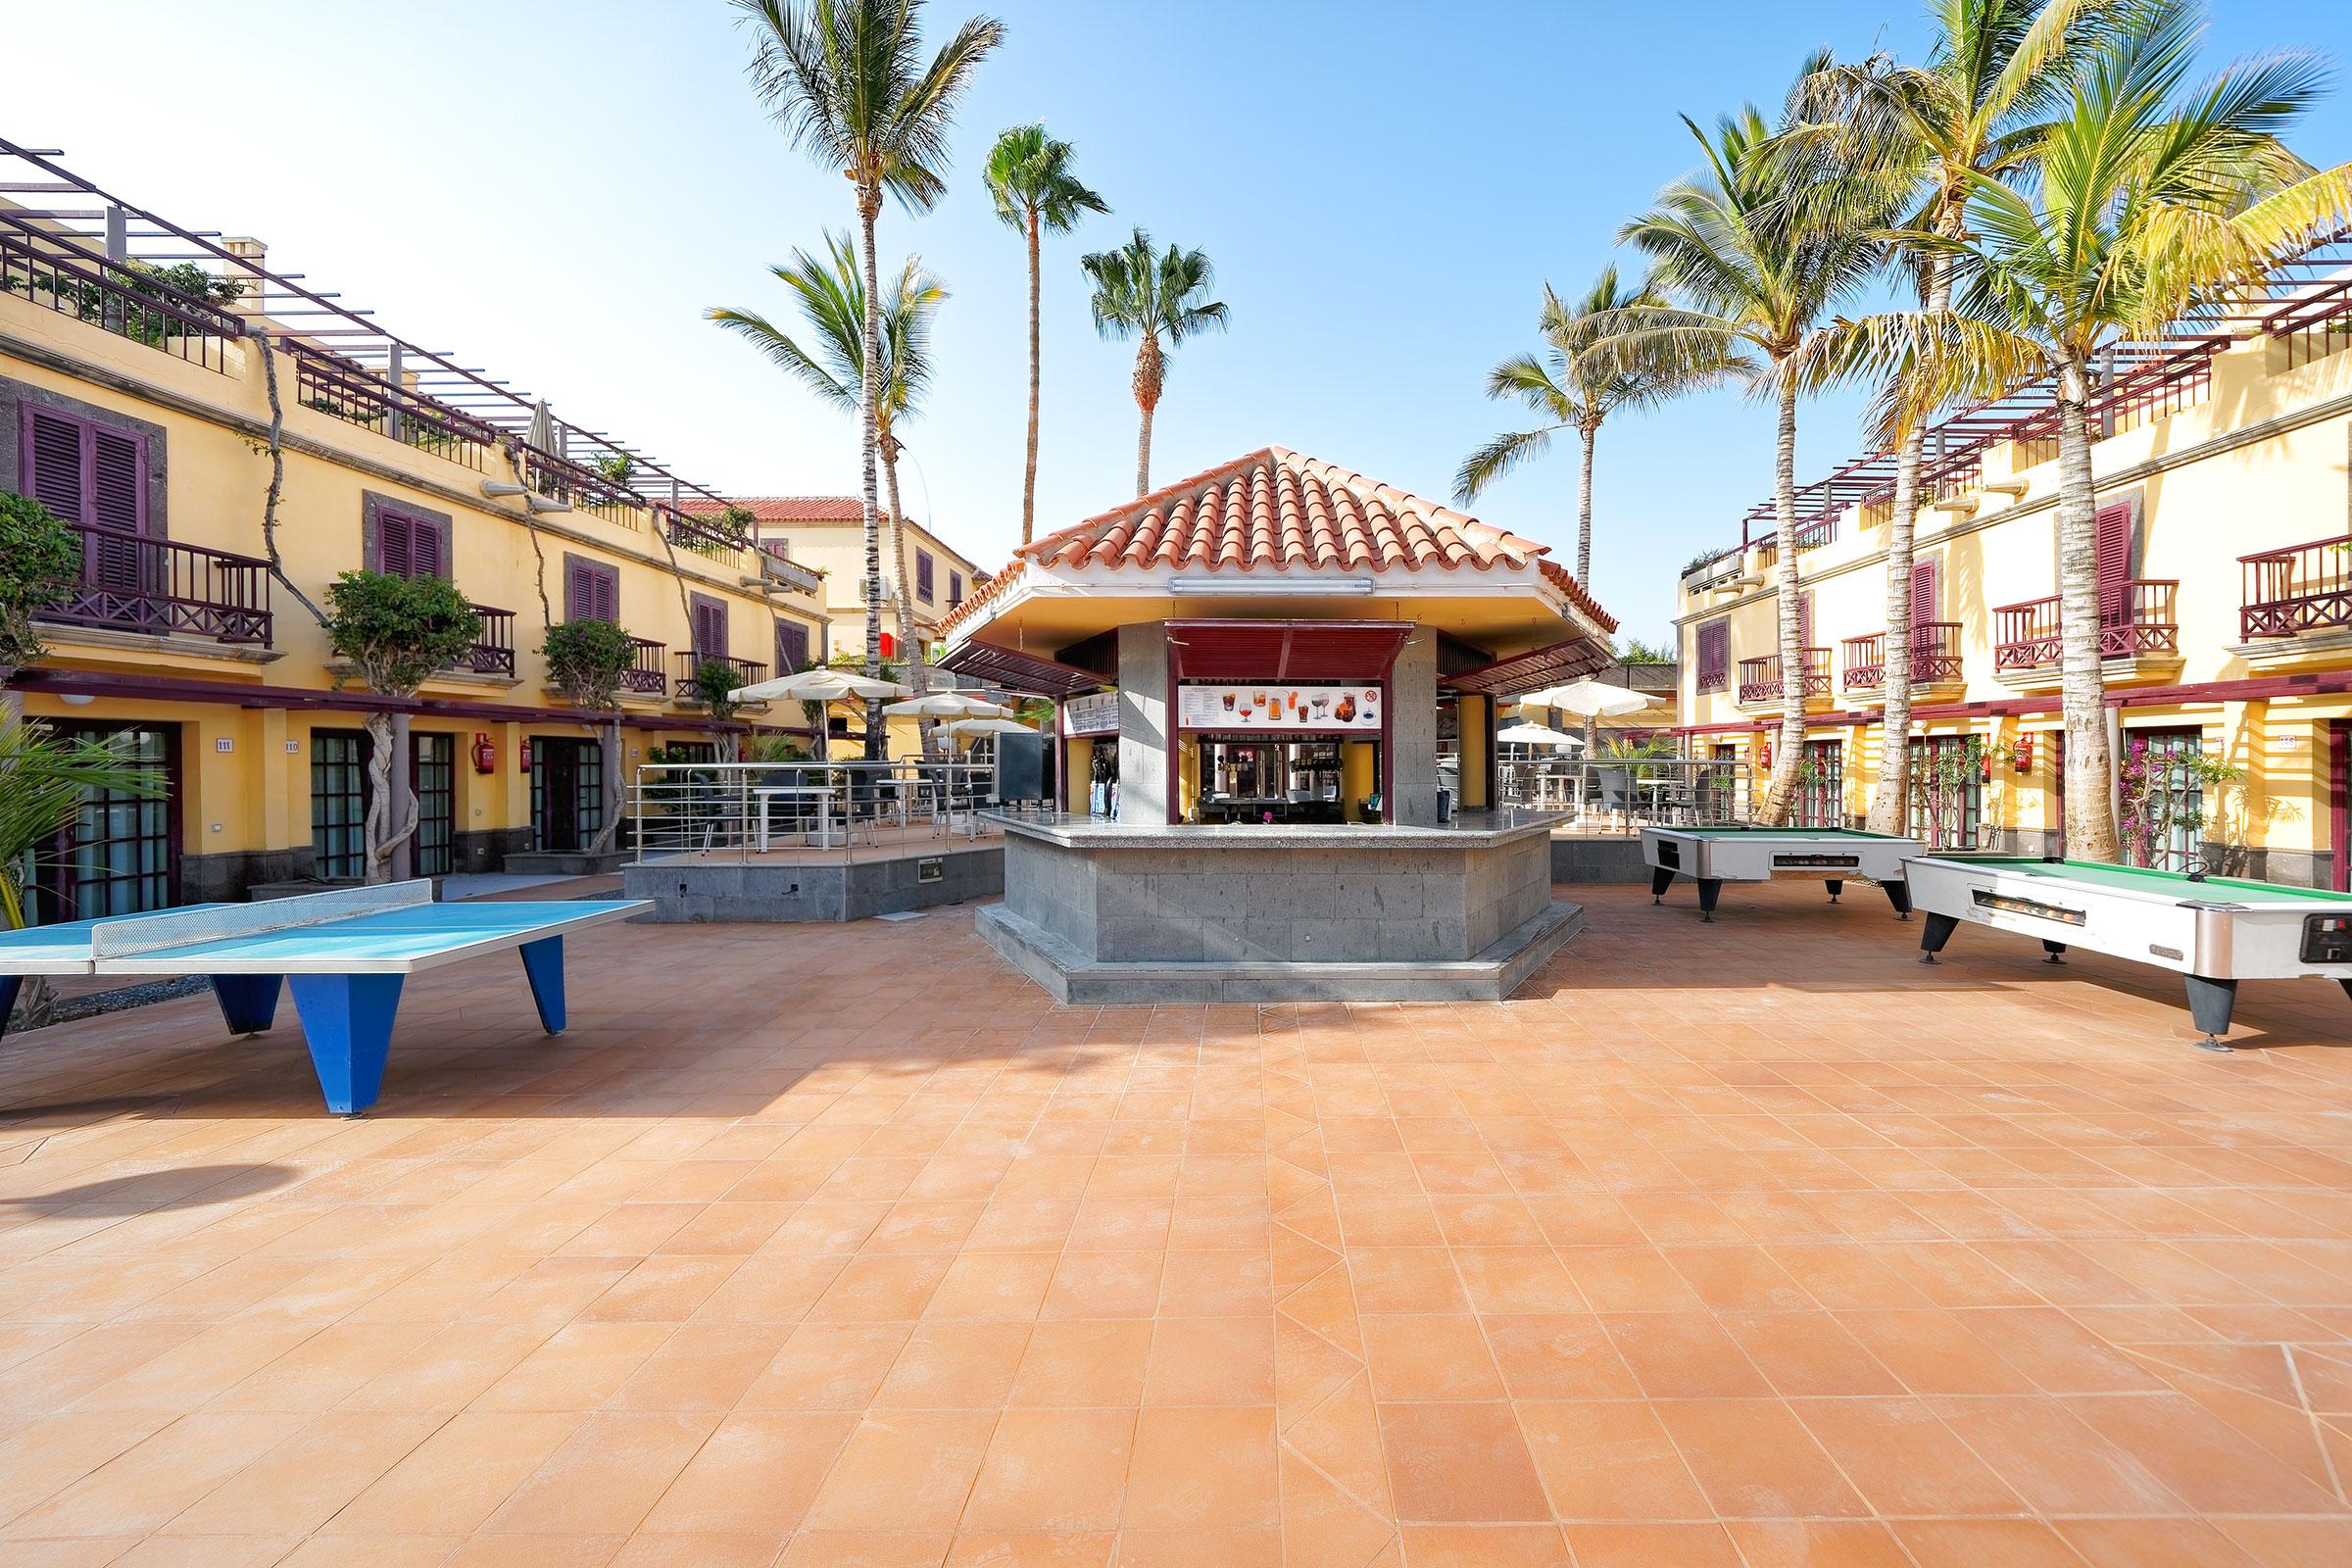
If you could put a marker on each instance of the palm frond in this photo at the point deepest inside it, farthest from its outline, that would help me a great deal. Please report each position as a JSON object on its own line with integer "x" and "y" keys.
{"x": 1499, "y": 458}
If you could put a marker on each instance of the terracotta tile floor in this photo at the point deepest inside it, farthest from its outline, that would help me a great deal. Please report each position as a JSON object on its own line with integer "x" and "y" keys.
{"x": 1753, "y": 1244}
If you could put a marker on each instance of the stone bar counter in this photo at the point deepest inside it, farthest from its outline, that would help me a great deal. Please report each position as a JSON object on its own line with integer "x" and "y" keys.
{"x": 1133, "y": 912}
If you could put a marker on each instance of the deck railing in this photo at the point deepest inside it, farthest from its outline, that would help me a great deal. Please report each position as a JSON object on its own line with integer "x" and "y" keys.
{"x": 2296, "y": 589}
{"x": 733, "y": 811}
{"x": 350, "y": 392}
{"x": 646, "y": 676}
{"x": 494, "y": 652}
{"x": 2138, "y": 621}
{"x": 1935, "y": 655}
{"x": 751, "y": 669}
{"x": 55, "y": 272}
{"x": 1760, "y": 679}
{"x": 131, "y": 582}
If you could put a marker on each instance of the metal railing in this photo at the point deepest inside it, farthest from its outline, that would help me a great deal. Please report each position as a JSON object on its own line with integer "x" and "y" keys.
{"x": 133, "y": 582}
{"x": 646, "y": 676}
{"x": 2296, "y": 589}
{"x": 1935, "y": 655}
{"x": 738, "y": 812}
{"x": 1760, "y": 679}
{"x": 494, "y": 652}
{"x": 751, "y": 669}
{"x": 124, "y": 298}
{"x": 341, "y": 389}
{"x": 2139, "y": 619}
{"x": 1625, "y": 795}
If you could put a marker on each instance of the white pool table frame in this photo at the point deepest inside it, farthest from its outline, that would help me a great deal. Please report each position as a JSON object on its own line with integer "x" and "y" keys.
{"x": 1877, "y": 858}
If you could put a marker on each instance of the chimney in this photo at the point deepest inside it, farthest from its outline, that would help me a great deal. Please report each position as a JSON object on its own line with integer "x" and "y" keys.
{"x": 245, "y": 248}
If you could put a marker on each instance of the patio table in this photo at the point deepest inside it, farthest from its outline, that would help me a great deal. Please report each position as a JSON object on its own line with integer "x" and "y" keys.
{"x": 822, "y": 793}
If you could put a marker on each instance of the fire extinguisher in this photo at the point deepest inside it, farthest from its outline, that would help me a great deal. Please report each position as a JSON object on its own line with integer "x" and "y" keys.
{"x": 486, "y": 755}
{"x": 524, "y": 755}
{"x": 1767, "y": 756}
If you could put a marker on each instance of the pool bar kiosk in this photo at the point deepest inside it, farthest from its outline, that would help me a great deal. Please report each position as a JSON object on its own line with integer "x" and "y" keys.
{"x": 1257, "y": 672}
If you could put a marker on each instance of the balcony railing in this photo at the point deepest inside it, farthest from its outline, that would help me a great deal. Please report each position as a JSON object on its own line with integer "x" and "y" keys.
{"x": 1934, "y": 656}
{"x": 750, "y": 668}
{"x": 494, "y": 654}
{"x": 2139, "y": 621}
{"x": 2297, "y": 589}
{"x": 54, "y": 272}
{"x": 131, "y": 582}
{"x": 1760, "y": 679}
{"x": 645, "y": 677}
{"x": 350, "y": 392}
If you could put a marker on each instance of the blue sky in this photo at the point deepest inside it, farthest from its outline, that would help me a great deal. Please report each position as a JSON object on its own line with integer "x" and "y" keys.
{"x": 556, "y": 191}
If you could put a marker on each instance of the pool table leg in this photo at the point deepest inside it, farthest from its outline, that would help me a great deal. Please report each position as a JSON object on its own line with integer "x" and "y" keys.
{"x": 1660, "y": 879}
{"x": 1710, "y": 889}
{"x": 347, "y": 1021}
{"x": 2052, "y": 951}
{"x": 2209, "y": 1004}
{"x": 1898, "y": 894}
{"x": 11, "y": 984}
{"x": 1939, "y": 931}
{"x": 1835, "y": 885}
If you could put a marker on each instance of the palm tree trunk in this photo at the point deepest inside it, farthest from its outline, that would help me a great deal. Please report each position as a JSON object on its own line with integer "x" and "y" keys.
{"x": 869, "y": 207}
{"x": 1587, "y": 435}
{"x": 1029, "y": 469}
{"x": 910, "y": 647}
{"x": 1782, "y": 788}
{"x": 2081, "y": 686}
{"x": 1149, "y": 372}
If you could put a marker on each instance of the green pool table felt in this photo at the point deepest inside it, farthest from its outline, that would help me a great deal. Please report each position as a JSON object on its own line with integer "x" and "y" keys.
{"x": 2137, "y": 879}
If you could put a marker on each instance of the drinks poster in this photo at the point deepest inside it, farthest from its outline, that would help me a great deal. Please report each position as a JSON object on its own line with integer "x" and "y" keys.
{"x": 1279, "y": 708}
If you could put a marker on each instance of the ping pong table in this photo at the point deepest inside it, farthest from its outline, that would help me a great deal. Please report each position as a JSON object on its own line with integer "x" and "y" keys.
{"x": 344, "y": 955}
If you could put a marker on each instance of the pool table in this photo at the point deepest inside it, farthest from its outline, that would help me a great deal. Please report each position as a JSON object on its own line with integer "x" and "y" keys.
{"x": 1714, "y": 855}
{"x": 2213, "y": 931}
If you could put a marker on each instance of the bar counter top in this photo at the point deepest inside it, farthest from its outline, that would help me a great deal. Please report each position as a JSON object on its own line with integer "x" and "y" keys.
{"x": 1467, "y": 830}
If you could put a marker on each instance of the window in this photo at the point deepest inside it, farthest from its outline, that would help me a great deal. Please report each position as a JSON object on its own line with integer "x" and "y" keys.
{"x": 2113, "y": 524}
{"x": 2162, "y": 785}
{"x": 339, "y": 804}
{"x": 85, "y": 473}
{"x": 434, "y": 777}
{"x": 791, "y": 647}
{"x": 1947, "y": 791}
{"x": 1821, "y": 785}
{"x": 411, "y": 545}
{"x": 1714, "y": 655}
{"x": 923, "y": 575}
{"x": 955, "y": 589}
{"x": 710, "y": 627}
{"x": 121, "y": 853}
{"x": 591, "y": 590}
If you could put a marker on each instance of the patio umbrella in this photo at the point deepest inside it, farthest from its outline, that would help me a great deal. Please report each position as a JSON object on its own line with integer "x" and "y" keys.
{"x": 1534, "y": 735}
{"x": 1588, "y": 698}
{"x": 819, "y": 685}
{"x": 988, "y": 727}
{"x": 949, "y": 705}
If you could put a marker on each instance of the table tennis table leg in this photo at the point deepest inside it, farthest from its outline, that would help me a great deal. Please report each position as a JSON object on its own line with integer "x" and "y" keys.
{"x": 248, "y": 1002}
{"x": 347, "y": 1019}
{"x": 543, "y": 962}
{"x": 10, "y": 985}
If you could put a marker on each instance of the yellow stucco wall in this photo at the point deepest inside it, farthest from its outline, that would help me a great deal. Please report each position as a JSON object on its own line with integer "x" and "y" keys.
{"x": 2258, "y": 461}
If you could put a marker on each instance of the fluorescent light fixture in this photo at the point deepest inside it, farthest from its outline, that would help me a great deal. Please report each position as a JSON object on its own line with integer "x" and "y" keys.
{"x": 500, "y": 487}
{"x": 1222, "y": 587}
{"x": 539, "y": 503}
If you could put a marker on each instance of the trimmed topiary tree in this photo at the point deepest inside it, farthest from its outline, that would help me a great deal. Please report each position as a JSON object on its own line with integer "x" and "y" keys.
{"x": 715, "y": 682}
{"x": 586, "y": 660}
{"x": 396, "y": 632}
{"x": 39, "y": 559}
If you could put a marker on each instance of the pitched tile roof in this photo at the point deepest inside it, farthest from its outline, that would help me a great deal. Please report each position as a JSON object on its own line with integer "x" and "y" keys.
{"x": 1276, "y": 510}
{"x": 788, "y": 508}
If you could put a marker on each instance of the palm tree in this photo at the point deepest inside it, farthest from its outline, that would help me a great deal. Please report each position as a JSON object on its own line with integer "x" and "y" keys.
{"x": 1029, "y": 175}
{"x": 847, "y": 80}
{"x": 1995, "y": 70}
{"x": 1150, "y": 295}
{"x": 1754, "y": 259}
{"x": 45, "y": 780}
{"x": 1571, "y": 394}
{"x": 830, "y": 293}
{"x": 2151, "y": 200}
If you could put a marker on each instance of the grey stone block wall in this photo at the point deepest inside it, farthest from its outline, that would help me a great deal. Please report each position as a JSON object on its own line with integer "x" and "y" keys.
{"x": 1610, "y": 859}
{"x": 230, "y": 876}
{"x": 1412, "y": 784}
{"x": 697, "y": 892}
{"x": 1146, "y": 727}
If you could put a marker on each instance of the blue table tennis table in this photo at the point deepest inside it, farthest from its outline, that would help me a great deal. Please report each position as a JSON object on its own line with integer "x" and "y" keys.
{"x": 344, "y": 955}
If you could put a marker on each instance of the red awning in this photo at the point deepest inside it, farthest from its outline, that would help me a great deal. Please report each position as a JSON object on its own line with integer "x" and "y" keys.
{"x": 1537, "y": 667}
{"x": 1017, "y": 671}
{"x": 1347, "y": 651}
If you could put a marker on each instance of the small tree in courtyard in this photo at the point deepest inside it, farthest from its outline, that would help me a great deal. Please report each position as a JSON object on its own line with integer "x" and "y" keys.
{"x": 715, "y": 682}
{"x": 586, "y": 660}
{"x": 396, "y": 632}
{"x": 39, "y": 557}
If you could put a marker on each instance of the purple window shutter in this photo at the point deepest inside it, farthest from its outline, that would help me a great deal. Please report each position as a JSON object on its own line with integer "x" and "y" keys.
{"x": 955, "y": 589}
{"x": 578, "y": 600}
{"x": 607, "y": 595}
{"x": 52, "y": 464}
{"x": 791, "y": 647}
{"x": 117, "y": 497}
{"x": 922, "y": 574}
{"x": 395, "y": 555}
{"x": 710, "y": 629}
{"x": 429, "y": 548}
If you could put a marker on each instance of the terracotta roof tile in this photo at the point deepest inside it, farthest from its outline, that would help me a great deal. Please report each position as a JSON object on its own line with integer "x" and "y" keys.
{"x": 1278, "y": 509}
{"x": 786, "y": 508}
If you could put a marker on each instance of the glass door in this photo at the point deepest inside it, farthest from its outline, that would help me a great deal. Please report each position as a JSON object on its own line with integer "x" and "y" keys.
{"x": 339, "y": 805}
{"x": 434, "y": 777}
{"x": 121, "y": 853}
{"x": 1821, "y": 785}
{"x": 1946, "y": 809}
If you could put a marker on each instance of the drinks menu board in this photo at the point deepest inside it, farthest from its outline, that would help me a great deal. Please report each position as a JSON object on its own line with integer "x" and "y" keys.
{"x": 1096, "y": 714}
{"x": 1279, "y": 708}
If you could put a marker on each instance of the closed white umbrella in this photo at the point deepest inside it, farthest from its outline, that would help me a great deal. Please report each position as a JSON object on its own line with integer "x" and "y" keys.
{"x": 1588, "y": 698}
{"x": 947, "y": 704}
{"x": 820, "y": 685}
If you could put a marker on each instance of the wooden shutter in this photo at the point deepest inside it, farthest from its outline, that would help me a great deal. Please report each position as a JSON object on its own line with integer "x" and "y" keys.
{"x": 117, "y": 497}
{"x": 1805, "y": 620}
{"x": 579, "y": 591}
{"x": 395, "y": 545}
{"x": 1924, "y": 579}
{"x": 2114, "y": 522}
{"x": 1714, "y": 652}
{"x": 923, "y": 575}
{"x": 53, "y": 464}
{"x": 607, "y": 595}
{"x": 710, "y": 629}
{"x": 429, "y": 548}
{"x": 791, "y": 647}
{"x": 955, "y": 589}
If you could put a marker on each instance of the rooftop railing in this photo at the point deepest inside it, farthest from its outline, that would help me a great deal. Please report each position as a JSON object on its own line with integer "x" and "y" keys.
{"x": 133, "y": 583}
{"x": 2296, "y": 589}
{"x": 350, "y": 392}
{"x": 124, "y": 298}
{"x": 1760, "y": 679}
{"x": 2138, "y": 621}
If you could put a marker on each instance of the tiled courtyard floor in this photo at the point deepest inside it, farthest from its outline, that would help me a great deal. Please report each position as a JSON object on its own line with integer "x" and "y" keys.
{"x": 1747, "y": 1243}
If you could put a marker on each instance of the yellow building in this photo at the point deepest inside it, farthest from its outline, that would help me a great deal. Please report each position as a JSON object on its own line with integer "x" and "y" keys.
{"x": 2226, "y": 585}
{"x": 191, "y": 424}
